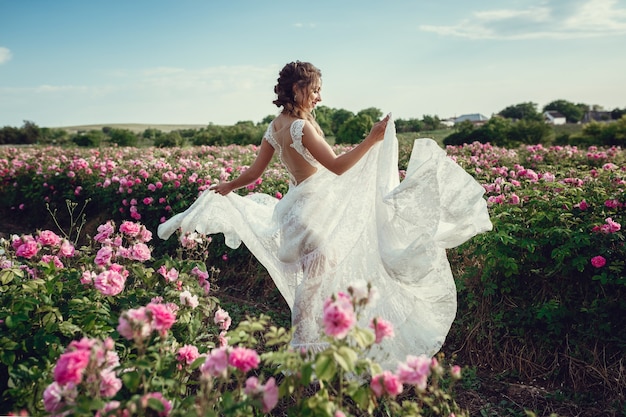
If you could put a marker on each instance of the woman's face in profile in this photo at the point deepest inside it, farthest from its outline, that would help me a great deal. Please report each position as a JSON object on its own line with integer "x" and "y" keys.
{"x": 313, "y": 96}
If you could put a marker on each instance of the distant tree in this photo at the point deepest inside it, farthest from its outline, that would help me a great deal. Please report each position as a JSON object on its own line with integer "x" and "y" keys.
{"x": 31, "y": 133}
{"x": 374, "y": 113}
{"x": 52, "y": 136}
{"x": 91, "y": 138}
{"x": 354, "y": 129}
{"x": 10, "y": 135}
{"x": 339, "y": 117}
{"x": 267, "y": 119}
{"x": 495, "y": 131}
{"x": 410, "y": 125}
{"x": 529, "y": 131}
{"x": 573, "y": 112}
{"x": 122, "y": 137}
{"x": 324, "y": 117}
{"x": 169, "y": 140}
{"x": 151, "y": 133}
{"x": 522, "y": 111}
{"x": 431, "y": 122}
{"x": 464, "y": 133}
{"x": 617, "y": 114}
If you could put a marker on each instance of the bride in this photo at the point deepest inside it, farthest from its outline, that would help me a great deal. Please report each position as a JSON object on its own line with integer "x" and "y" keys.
{"x": 348, "y": 218}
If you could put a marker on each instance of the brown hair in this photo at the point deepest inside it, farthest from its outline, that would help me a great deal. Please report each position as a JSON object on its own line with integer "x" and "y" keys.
{"x": 301, "y": 75}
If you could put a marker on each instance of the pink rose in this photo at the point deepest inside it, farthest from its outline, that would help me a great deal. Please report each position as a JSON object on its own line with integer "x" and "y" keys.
{"x": 130, "y": 228}
{"x": 222, "y": 318}
{"x": 105, "y": 231}
{"x": 88, "y": 277}
{"x": 70, "y": 366}
{"x": 415, "y": 371}
{"x": 55, "y": 397}
{"x": 216, "y": 363}
{"x": 187, "y": 299}
{"x": 387, "y": 383}
{"x": 140, "y": 252}
{"x": 187, "y": 354}
{"x": 104, "y": 256}
{"x": 598, "y": 261}
{"x": 268, "y": 392}
{"x": 382, "y": 329}
{"x": 66, "y": 250}
{"x": 583, "y": 205}
{"x": 222, "y": 338}
{"x": 110, "y": 282}
{"x": 134, "y": 324}
{"x": 48, "y": 238}
{"x": 455, "y": 372}
{"x": 27, "y": 249}
{"x": 145, "y": 235}
{"x": 54, "y": 259}
{"x": 244, "y": 359}
{"x": 110, "y": 384}
{"x": 162, "y": 316}
{"x": 171, "y": 275}
{"x": 338, "y": 316}
{"x": 270, "y": 395}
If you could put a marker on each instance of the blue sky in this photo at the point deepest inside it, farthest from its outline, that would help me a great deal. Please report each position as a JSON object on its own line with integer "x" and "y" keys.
{"x": 72, "y": 62}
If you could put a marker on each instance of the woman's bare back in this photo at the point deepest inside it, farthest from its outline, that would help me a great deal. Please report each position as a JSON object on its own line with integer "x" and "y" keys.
{"x": 299, "y": 168}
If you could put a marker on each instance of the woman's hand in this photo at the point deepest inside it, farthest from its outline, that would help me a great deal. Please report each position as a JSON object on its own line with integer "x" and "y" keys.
{"x": 378, "y": 130}
{"x": 222, "y": 188}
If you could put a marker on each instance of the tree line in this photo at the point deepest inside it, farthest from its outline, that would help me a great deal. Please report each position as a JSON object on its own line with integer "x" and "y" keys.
{"x": 520, "y": 123}
{"x": 523, "y": 124}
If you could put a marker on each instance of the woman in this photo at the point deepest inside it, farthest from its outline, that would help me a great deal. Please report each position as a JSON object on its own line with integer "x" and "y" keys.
{"x": 348, "y": 218}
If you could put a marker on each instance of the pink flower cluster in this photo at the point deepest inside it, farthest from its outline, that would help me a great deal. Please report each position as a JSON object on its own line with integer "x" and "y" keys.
{"x": 86, "y": 361}
{"x": 203, "y": 279}
{"x": 46, "y": 244}
{"x": 128, "y": 244}
{"x": 414, "y": 371}
{"x": 138, "y": 323}
{"x": 267, "y": 393}
{"x": 608, "y": 227}
{"x": 218, "y": 360}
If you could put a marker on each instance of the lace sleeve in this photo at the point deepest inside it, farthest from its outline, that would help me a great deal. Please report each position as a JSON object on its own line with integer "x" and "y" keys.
{"x": 268, "y": 136}
{"x": 296, "y": 137}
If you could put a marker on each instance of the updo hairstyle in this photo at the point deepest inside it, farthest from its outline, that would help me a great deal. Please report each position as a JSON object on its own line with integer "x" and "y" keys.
{"x": 300, "y": 74}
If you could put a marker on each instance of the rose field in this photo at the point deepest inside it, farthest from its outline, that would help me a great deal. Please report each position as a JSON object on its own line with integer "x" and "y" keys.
{"x": 100, "y": 316}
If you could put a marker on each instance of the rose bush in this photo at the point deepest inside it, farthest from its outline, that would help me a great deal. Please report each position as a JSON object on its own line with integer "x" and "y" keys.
{"x": 169, "y": 356}
{"x": 541, "y": 295}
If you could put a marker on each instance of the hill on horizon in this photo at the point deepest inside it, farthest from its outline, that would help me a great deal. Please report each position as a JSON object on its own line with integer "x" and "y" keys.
{"x": 133, "y": 127}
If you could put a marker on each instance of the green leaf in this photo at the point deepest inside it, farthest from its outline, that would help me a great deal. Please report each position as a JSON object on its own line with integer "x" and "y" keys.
{"x": 325, "y": 367}
{"x": 156, "y": 404}
{"x": 131, "y": 380}
{"x": 346, "y": 358}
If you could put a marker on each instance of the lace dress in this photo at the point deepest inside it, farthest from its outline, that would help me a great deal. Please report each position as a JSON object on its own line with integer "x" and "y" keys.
{"x": 330, "y": 231}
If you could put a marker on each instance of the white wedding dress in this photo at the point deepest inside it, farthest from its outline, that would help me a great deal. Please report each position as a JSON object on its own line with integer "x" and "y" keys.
{"x": 331, "y": 231}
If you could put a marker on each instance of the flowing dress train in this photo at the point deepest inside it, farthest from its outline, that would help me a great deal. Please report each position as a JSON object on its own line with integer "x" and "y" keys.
{"x": 330, "y": 231}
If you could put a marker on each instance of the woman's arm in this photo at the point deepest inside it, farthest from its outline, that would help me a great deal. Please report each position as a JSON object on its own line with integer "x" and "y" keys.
{"x": 322, "y": 151}
{"x": 262, "y": 160}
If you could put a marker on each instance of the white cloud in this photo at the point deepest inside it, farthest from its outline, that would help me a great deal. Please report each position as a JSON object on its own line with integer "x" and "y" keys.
{"x": 5, "y": 55}
{"x": 590, "y": 18}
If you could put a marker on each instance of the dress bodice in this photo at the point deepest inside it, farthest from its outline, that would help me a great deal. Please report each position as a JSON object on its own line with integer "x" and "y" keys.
{"x": 295, "y": 131}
